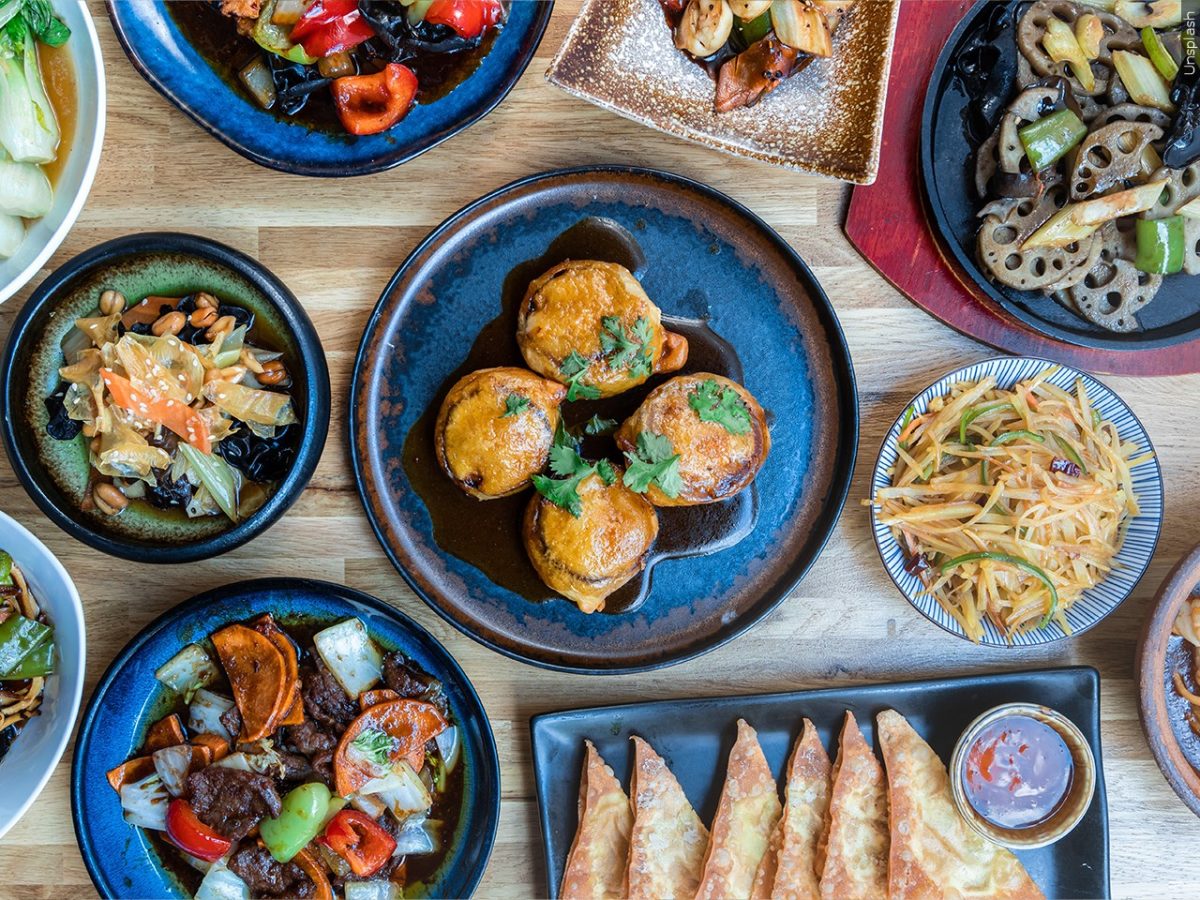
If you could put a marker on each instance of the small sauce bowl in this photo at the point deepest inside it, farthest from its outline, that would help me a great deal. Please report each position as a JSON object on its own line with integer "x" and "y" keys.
{"x": 1068, "y": 812}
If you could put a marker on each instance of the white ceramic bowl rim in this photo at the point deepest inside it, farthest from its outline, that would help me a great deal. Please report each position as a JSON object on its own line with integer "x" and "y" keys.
{"x": 35, "y": 753}
{"x": 86, "y": 146}
{"x": 1143, "y": 531}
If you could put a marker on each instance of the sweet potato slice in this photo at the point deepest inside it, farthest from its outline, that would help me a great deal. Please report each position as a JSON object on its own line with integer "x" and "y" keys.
{"x": 367, "y": 699}
{"x": 130, "y": 771}
{"x": 409, "y": 722}
{"x": 293, "y": 713}
{"x": 257, "y": 676}
{"x": 217, "y": 746}
{"x": 167, "y": 732}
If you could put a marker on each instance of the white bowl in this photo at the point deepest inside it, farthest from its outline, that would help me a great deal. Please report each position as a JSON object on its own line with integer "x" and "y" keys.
{"x": 31, "y": 759}
{"x": 44, "y": 235}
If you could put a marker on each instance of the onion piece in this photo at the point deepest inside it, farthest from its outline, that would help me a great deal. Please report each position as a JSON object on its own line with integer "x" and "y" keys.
{"x": 256, "y": 78}
{"x": 350, "y": 655}
{"x": 418, "y": 838}
{"x": 222, "y": 884}
{"x": 449, "y": 746}
{"x": 144, "y": 803}
{"x": 189, "y": 669}
{"x": 173, "y": 765}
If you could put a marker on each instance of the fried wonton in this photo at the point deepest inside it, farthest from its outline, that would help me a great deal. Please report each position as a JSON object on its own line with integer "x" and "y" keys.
{"x": 746, "y": 816}
{"x": 789, "y": 869}
{"x": 934, "y": 852}
{"x": 666, "y": 847}
{"x": 856, "y": 837}
{"x": 600, "y": 851}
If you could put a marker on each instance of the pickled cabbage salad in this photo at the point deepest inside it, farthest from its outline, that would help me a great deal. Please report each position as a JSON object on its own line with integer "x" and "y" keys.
{"x": 29, "y": 132}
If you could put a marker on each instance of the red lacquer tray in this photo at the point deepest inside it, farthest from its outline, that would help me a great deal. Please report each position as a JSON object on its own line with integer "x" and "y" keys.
{"x": 887, "y": 221}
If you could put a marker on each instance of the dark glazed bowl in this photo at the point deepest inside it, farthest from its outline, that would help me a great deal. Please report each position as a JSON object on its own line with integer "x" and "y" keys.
{"x": 55, "y": 473}
{"x": 163, "y": 56}
{"x": 123, "y": 862}
{"x": 749, "y": 305}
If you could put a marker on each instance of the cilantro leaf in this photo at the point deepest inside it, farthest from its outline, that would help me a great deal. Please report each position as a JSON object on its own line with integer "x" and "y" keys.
{"x": 572, "y": 469}
{"x": 565, "y": 461}
{"x": 721, "y": 405}
{"x": 606, "y": 471}
{"x": 375, "y": 744}
{"x": 627, "y": 350}
{"x": 563, "y": 493}
{"x": 574, "y": 367}
{"x": 596, "y": 425}
{"x": 514, "y": 405}
{"x": 653, "y": 462}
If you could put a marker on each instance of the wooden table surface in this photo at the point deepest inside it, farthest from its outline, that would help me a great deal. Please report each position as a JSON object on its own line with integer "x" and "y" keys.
{"x": 336, "y": 242}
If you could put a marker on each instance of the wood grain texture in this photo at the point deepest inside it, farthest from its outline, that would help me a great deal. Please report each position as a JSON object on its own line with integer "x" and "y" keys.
{"x": 335, "y": 243}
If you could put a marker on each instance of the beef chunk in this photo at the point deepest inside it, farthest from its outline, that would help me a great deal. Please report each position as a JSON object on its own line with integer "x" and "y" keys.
{"x": 232, "y": 801}
{"x": 403, "y": 678}
{"x": 325, "y": 701}
{"x": 267, "y": 878}
{"x": 296, "y": 768}
{"x": 232, "y": 720}
{"x": 308, "y": 739}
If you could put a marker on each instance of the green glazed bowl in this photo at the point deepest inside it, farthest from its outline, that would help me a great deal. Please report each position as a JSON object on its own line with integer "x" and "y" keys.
{"x": 55, "y": 473}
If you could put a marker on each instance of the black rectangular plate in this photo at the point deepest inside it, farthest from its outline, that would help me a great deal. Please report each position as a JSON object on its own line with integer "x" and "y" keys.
{"x": 695, "y": 736}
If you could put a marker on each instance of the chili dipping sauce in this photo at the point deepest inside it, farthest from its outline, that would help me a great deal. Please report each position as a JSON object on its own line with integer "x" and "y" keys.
{"x": 1018, "y": 772}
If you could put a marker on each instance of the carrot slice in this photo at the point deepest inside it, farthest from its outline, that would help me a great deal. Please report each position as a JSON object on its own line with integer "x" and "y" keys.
{"x": 410, "y": 722}
{"x": 293, "y": 709}
{"x": 367, "y": 699}
{"x": 164, "y": 733}
{"x": 257, "y": 676}
{"x": 130, "y": 771}
{"x": 217, "y": 746}
{"x": 179, "y": 417}
{"x": 148, "y": 311}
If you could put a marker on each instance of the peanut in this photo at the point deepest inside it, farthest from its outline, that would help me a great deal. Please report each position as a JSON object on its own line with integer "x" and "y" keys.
{"x": 273, "y": 373}
{"x": 109, "y": 499}
{"x": 223, "y": 324}
{"x": 230, "y": 373}
{"x": 171, "y": 323}
{"x": 206, "y": 301}
{"x": 111, "y": 302}
{"x": 203, "y": 317}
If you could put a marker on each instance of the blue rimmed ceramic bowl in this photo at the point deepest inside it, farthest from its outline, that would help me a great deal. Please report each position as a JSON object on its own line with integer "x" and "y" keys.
{"x": 121, "y": 859}
{"x": 160, "y": 51}
{"x": 1140, "y": 540}
{"x": 56, "y": 473}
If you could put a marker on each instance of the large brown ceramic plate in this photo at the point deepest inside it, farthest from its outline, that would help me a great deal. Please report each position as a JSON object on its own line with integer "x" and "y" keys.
{"x": 751, "y": 309}
{"x": 828, "y": 119}
{"x": 1175, "y": 746}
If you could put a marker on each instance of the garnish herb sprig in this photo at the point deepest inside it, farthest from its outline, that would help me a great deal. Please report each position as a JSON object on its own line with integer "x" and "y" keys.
{"x": 654, "y": 461}
{"x": 722, "y": 405}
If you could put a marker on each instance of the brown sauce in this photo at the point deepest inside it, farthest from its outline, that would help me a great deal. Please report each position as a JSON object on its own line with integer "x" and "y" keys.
{"x": 58, "y": 76}
{"x": 1018, "y": 772}
{"x": 215, "y": 37}
{"x": 487, "y": 534}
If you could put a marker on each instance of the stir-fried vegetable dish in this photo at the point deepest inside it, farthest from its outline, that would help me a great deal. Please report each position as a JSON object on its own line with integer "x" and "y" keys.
{"x": 29, "y": 129}
{"x": 1092, "y": 175}
{"x": 752, "y": 46}
{"x": 298, "y": 766}
{"x": 26, "y": 652}
{"x": 368, "y": 61}
{"x": 1187, "y": 626}
{"x": 1009, "y": 503}
{"x": 181, "y": 408}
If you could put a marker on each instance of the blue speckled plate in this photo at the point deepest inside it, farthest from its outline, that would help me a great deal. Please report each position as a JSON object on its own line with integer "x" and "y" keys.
{"x": 159, "y": 51}
{"x": 1141, "y": 538}
{"x": 121, "y": 859}
{"x": 701, "y": 257}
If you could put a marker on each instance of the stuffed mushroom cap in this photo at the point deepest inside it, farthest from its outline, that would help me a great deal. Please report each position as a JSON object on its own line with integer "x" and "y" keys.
{"x": 588, "y": 557}
{"x": 715, "y": 426}
{"x": 495, "y": 429}
{"x": 590, "y": 323}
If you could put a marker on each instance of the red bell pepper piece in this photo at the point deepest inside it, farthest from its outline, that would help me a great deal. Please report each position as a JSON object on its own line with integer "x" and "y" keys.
{"x": 331, "y": 26}
{"x": 470, "y": 18}
{"x": 359, "y": 840}
{"x": 369, "y": 104}
{"x": 189, "y": 834}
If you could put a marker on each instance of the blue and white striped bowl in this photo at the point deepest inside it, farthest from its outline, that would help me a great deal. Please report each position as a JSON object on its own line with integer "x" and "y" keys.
{"x": 1141, "y": 538}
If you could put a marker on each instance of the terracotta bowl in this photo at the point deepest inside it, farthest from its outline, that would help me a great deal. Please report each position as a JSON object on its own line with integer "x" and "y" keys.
{"x": 1175, "y": 746}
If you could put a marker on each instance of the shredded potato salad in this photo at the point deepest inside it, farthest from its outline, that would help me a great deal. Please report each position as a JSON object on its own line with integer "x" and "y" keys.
{"x": 1010, "y": 503}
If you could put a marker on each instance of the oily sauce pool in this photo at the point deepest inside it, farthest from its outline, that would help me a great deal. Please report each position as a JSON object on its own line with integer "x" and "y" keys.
{"x": 1018, "y": 772}
{"x": 487, "y": 534}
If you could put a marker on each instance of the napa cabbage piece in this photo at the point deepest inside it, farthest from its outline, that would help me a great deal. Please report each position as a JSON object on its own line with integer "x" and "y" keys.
{"x": 12, "y": 234}
{"x": 220, "y": 426}
{"x": 350, "y": 655}
{"x": 144, "y": 803}
{"x": 251, "y": 404}
{"x": 28, "y": 127}
{"x": 181, "y": 362}
{"x": 124, "y": 453}
{"x": 148, "y": 374}
{"x": 222, "y": 480}
{"x": 188, "y": 670}
{"x": 221, "y": 884}
{"x": 24, "y": 189}
{"x": 205, "y": 711}
{"x": 84, "y": 369}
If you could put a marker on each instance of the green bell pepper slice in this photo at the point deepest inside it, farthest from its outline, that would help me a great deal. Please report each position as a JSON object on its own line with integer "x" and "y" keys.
{"x": 1011, "y": 560}
{"x": 37, "y": 664}
{"x": 1160, "y": 244}
{"x": 755, "y": 30}
{"x": 6, "y": 564}
{"x": 970, "y": 415}
{"x": 303, "y": 816}
{"x": 1051, "y": 137}
{"x": 275, "y": 38}
{"x": 19, "y": 637}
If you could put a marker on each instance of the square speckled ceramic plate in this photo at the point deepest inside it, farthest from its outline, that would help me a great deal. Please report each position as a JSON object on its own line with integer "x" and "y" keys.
{"x": 827, "y": 120}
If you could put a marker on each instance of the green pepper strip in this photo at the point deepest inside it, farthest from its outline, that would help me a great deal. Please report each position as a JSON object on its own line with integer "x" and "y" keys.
{"x": 1051, "y": 137}
{"x": 974, "y": 413}
{"x": 6, "y": 563}
{"x": 754, "y": 30}
{"x": 19, "y": 637}
{"x": 37, "y": 664}
{"x": 1160, "y": 245}
{"x": 1007, "y": 438}
{"x": 1070, "y": 453}
{"x": 1012, "y": 561}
